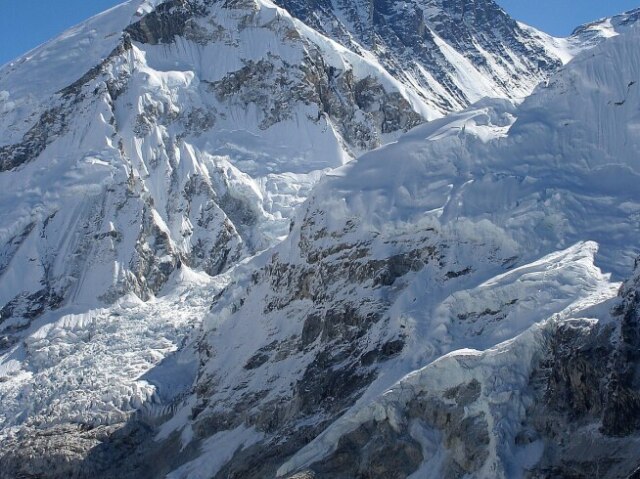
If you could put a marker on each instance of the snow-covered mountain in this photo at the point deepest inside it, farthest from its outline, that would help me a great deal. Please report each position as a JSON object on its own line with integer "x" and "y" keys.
{"x": 190, "y": 139}
{"x": 192, "y": 129}
{"x": 594, "y": 32}
{"x": 186, "y": 132}
{"x": 179, "y": 295}
{"x": 435, "y": 310}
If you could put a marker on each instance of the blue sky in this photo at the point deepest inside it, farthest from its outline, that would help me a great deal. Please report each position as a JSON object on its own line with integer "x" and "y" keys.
{"x": 25, "y": 24}
{"x": 560, "y": 17}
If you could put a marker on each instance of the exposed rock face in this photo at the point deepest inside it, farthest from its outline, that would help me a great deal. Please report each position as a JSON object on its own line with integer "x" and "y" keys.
{"x": 170, "y": 19}
{"x": 380, "y": 449}
{"x": 339, "y": 291}
{"x": 587, "y": 407}
{"x": 66, "y": 456}
{"x": 574, "y": 415}
{"x": 360, "y": 109}
{"x": 50, "y": 125}
{"x": 373, "y": 450}
{"x": 432, "y": 42}
{"x": 335, "y": 353}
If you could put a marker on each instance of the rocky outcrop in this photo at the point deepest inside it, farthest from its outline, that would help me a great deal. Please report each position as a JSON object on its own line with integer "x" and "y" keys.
{"x": 170, "y": 19}
{"x": 384, "y": 448}
{"x": 587, "y": 407}
{"x": 340, "y": 290}
{"x": 470, "y": 413}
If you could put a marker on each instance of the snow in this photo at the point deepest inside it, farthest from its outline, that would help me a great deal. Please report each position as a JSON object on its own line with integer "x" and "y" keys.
{"x": 465, "y": 74}
{"x": 33, "y": 78}
{"x": 564, "y": 49}
{"x": 267, "y": 171}
{"x": 100, "y": 366}
{"x": 511, "y": 360}
{"x": 215, "y": 452}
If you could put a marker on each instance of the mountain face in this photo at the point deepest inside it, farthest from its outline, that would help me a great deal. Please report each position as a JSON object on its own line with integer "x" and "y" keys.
{"x": 145, "y": 139}
{"x": 199, "y": 279}
{"x": 452, "y": 52}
